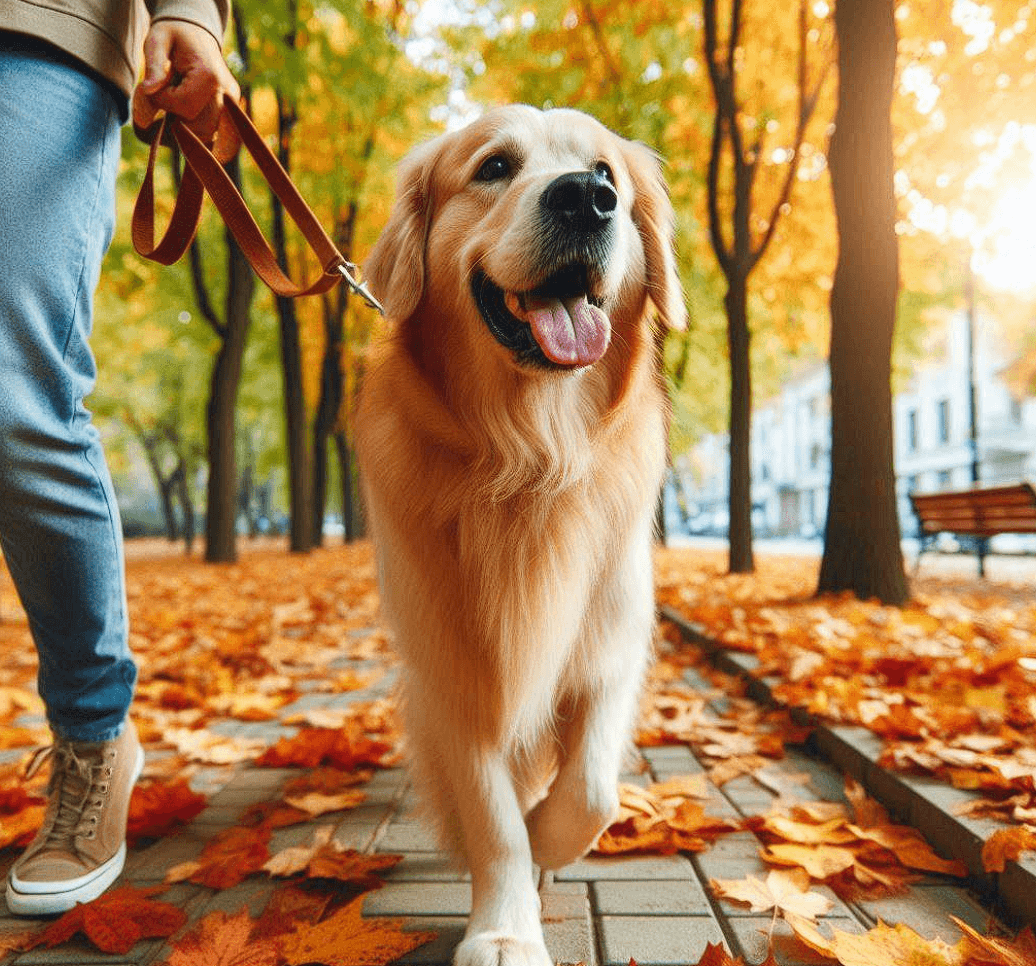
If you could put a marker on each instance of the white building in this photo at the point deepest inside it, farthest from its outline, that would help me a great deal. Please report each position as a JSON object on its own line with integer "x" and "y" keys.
{"x": 791, "y": 441}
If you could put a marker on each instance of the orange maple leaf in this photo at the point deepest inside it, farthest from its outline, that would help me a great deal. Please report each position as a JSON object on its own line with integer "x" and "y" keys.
{"x": 347, "y": 865}
{"x": 21, "y": 815}
{"x": 222, "y": 940}
{"x": 979, "y": 950}
{"x": 228, "y": 859}
{"x": 117, "y": 920}
{"x": 17, "y": 940}
{"x": 347, "y": 939}
{"x": 892, "y": 946}
{"x": 660, "y": 819}
{"x": 323, "y": 859}
{"x": 158, "y": 808}
{"x": 1005, "y": 845}
{"x": 326, "y": 746}
{"x": 327, "y": 781}
{"x": 289, "y": 908}
{"x": 820, "y": 861}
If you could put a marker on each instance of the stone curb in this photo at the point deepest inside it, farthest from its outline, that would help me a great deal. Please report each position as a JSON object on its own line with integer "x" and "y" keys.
{"x": 925, "y": 803}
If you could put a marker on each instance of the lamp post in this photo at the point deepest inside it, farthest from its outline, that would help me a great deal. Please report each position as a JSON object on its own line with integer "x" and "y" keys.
{"x": 969, "y": 297}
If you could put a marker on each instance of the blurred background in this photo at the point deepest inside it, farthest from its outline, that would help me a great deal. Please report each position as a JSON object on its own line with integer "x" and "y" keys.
{"x": 226, "y": 412}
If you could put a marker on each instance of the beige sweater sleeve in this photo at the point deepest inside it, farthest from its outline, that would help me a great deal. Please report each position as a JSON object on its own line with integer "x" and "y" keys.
{"x": 213, "y": 15}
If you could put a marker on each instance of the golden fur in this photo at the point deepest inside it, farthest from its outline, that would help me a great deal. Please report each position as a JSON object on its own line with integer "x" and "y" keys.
{"x": 512, "y": 505}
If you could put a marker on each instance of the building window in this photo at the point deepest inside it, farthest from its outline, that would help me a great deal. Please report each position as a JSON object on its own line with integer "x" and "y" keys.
{"x": 912, "y": 430}
{"x": 944, "y": 421}
{"x": 945, "y": 479}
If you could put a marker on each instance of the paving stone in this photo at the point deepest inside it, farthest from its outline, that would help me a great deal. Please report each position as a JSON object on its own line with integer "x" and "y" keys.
{"x": 825, "y": 783}
{"x": 419, "y": 899}
{"x": 565, "y": 900}
{"x": 352, "y": 835}
{"x": 239, "y": 797}
{"x": 927, "y": 910}
{"x": 748, "y": 795}
{"x": 732, "y": 856}
{"x": 269, "y": 779}
{"x": 408, "y": 836}
{"x": 426, "y": 867}
{"x": 656, "y": 940}
{"x": 683, "y": 897}
{"x": 720, "y": 806}
{"x": 151, "y": 864}
{"x": 220, "y": 816}
{"x": 752, "y": 935}
{"x": 267, "y": 732}
{"x": 78, "y": 952}
{"x": 439, "y": 952}
{"x": 386, "y": 787}
{"x": 637, "y": 867}
{"x": 672, "y": 759}
{"x": 571, "y": 940}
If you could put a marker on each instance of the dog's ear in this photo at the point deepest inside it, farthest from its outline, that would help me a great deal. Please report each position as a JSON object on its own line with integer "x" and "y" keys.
{"x": 394, "y": 269}
{"x": 654, "y": 217}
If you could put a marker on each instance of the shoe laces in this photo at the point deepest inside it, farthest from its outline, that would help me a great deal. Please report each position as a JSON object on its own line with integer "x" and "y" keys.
{"x": 78, "y": 790}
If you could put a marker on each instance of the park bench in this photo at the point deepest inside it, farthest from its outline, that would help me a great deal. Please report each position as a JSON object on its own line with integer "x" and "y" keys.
{"x": 979, "y": 513}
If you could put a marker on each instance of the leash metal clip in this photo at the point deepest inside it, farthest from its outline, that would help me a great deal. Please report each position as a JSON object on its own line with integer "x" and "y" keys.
{"x": 360, "y": 288}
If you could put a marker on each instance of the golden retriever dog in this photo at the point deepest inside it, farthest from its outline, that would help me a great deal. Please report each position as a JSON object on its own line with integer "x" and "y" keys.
{"x": 512, "y": 438}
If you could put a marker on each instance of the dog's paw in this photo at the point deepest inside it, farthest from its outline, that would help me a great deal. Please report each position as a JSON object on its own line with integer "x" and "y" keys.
{"x": 563, "y": 831}
{"x": 501, "y": 949}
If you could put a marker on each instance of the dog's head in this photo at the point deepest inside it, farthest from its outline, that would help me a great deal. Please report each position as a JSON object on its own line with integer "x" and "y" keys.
{"x": 533, "y": 235}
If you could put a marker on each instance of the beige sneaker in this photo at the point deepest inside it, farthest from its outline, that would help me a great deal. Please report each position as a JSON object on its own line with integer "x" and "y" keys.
{"x": 81, "y": 848}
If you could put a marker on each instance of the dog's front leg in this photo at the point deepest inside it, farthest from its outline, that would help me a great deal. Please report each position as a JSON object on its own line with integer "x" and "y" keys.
{"x": 583, "y": 799}
{"x": 504, "y": 928}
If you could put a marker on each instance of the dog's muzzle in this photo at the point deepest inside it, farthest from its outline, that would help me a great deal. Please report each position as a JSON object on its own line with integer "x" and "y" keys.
{"x": 559, "y": 323}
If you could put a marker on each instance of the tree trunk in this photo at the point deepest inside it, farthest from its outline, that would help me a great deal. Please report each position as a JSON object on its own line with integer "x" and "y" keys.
{"x": 352, "y": 521}
{"x": 862, "y": 550}
{"x": 299, "y": 489}
{"x": 323, "y": 426}
{"x": 740, "y": 496}
{"x": 220, "y": 519}
{"x": 187, "y": 508}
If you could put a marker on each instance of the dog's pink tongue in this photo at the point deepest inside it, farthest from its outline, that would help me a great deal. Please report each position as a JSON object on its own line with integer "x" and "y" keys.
{"x": 571, "y": 331}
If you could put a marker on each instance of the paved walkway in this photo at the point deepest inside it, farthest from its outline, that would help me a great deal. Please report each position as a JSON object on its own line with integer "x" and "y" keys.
{"x": 599, "y": 911}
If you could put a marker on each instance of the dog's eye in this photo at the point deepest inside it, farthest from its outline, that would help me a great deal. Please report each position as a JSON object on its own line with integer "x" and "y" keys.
{"x": 603, "y": 170}
{"x": 494, "y": 169}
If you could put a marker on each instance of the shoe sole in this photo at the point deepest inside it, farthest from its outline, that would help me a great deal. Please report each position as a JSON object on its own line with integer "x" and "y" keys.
{"x": 64, "y": 895}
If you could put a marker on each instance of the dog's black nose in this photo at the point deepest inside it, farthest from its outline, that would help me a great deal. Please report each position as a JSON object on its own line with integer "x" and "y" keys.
{"x": 582, "y": 200}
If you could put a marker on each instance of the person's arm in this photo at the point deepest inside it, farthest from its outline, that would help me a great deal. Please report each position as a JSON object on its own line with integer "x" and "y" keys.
{"x": 184, "y": 70}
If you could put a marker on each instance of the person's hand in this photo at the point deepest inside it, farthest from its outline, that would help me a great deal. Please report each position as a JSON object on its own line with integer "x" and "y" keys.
{"x": 186, "y": 75}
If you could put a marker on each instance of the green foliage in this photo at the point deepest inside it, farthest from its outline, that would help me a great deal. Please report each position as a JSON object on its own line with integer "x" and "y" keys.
{"x": 362, "y": 101}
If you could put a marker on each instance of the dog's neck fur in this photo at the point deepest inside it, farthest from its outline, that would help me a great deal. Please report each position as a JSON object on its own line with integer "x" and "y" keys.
{"x": 525, "y": 432}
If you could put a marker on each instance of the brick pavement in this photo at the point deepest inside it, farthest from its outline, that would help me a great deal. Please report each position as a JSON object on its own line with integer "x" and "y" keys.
{"x": 599, "y": 911}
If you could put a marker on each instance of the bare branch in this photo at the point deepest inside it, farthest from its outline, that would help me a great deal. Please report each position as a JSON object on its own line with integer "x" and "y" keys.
{"x": 808, "y": 100}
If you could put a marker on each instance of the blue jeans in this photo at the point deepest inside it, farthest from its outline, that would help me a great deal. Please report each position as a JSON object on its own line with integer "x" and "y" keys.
{"x": 59, "y": 524}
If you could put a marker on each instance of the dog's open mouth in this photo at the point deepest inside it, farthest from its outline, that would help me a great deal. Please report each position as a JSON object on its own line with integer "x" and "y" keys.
{"x": 556, "y": 324}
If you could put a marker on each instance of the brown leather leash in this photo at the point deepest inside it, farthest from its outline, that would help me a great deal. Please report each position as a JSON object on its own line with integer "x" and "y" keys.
{"x": 204, "y": 172}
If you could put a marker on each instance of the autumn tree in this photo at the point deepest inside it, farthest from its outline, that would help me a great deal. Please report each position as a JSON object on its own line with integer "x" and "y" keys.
{"x": 739, "y": 232}
{"x": 862, "y": 538}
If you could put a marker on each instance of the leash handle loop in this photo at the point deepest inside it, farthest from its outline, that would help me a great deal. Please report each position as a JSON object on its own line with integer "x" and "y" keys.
{"x": 204, "y": 172}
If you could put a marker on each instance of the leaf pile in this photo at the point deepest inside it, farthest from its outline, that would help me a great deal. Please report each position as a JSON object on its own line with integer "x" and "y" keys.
{"x": 949, "y": 682}
{"x": 223, "y": 644}
{"x": 662, "y": 819}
